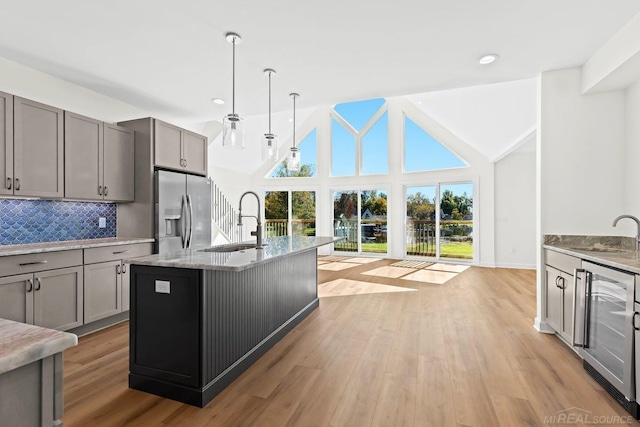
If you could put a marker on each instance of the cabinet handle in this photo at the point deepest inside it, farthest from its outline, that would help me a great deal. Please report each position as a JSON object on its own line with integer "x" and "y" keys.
{"x": 121, "y": 252}
{"x": 30, "y": 288}
{"x": 39, "y": 284}
{"x": 99, "y": 190}
{"x": 185, "y": 163}
{"x": 563, "y": 285}
{"x": 17, "y": 184}
{"x": 124, "y": 268}
{"x": 106, "y": 190}
{"x": 8, "y": 183}
{"x": 557, "y": 280}
{"x": 633, "y": 321}
{"x": 22, "y": 264}
{"x": 118, "y": 269}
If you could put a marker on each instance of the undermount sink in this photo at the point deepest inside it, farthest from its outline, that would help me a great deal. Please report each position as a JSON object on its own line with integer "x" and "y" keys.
{"x": 233, "y": 247}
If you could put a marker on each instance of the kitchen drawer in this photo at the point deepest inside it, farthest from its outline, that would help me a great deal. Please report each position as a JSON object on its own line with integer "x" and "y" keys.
{"x": 566, "y": 263}
{"x": 31, "y": 263}
{"x": 117, "y": 252}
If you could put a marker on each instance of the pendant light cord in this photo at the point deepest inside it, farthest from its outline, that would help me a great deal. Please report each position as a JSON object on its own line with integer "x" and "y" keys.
{"x": 294, "y": 122}
{"x": 233, "y": 78}
{"x": 269, "y": 102}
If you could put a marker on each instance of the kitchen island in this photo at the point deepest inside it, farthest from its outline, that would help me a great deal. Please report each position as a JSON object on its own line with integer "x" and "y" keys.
{"x": 200, "y": 318}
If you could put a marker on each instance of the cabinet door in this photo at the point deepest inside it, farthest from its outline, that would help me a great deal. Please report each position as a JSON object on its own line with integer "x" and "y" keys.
{"x": 195, "y": 152}
{"x": 83, "y": 139}
{"x": 38, "y": 149}
{"x": 566, "y": 282}
{"x": 57, "y": 302}
{"x": 118, "y": 163}
{"x": 102, "y": 290}
{"x": 6, "y": 143}
{"x": 168, "y": 145}
{"x": 126, "y": 285}
{"x": 16, "y": 298}
{"x": 553, "y": 301}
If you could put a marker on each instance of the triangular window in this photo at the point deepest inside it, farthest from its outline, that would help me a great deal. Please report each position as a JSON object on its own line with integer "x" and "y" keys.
{"x": 422, "y": 152}
{"x": 308, "y": 167}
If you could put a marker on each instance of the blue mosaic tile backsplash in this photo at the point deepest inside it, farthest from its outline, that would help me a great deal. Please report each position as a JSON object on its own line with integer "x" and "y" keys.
{"x": 37, "y": 221}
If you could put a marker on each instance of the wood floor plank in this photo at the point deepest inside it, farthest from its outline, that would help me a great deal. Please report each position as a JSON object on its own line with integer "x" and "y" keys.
{"x": 463, "y": 353}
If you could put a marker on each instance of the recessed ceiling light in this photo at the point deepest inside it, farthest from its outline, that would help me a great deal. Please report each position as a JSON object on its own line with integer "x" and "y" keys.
{"x": 488, "y": 59}
{"x": 290, "y": 119}
{"x": 218, "y": 101}
{"x": 419, "y": 102}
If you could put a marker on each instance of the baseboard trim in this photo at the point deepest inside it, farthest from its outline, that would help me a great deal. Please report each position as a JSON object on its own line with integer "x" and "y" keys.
{"x": 543, "y": 327}
{"x": 101, "y": 324}
{"x": 516, "y": 266}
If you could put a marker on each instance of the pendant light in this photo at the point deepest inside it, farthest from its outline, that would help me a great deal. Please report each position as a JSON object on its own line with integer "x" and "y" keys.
{"x": 232, "y": 124}
{"x": 293, "y": 161}
{"x": 270, "y": 142}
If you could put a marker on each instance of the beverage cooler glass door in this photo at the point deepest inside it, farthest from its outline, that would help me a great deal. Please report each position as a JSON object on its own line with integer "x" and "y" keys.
{"x": 608, "y": 332}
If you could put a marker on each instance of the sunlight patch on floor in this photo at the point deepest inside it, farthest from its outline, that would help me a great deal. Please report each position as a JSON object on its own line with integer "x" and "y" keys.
{"x": 388, "y": 271}
{"x": 344, "y": 287}
{"x": 448, "y": 267}
{"x": 430, "y": 276}
{"x": 336, "y": 266}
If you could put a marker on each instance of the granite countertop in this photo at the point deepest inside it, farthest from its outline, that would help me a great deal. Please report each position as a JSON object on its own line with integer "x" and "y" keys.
{"x": 275, "y": 247}
{"x": 34, "y": 248}
{"x": 612, "y": 251}
{"x": 21, "y": 344}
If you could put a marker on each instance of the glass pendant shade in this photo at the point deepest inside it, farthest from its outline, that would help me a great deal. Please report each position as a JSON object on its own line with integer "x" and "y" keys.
{"x": 269, "y": 147}
{"x": 293, "y": 161}
{"x": 233, "y": 131}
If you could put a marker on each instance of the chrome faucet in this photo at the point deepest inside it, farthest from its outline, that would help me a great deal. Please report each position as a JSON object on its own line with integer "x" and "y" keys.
{"x": 615, "y": 221}
{"x": 258, "y": 232}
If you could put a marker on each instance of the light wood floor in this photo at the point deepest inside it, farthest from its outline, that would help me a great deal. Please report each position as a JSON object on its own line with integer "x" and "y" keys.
{"x": 462, "y": 353}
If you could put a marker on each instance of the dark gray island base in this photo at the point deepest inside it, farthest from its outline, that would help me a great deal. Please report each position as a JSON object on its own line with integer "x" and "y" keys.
{"x": 194, "y": 330}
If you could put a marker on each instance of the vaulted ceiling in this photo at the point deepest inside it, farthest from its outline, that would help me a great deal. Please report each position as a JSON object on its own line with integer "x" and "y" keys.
{"x": 170, "y": 58}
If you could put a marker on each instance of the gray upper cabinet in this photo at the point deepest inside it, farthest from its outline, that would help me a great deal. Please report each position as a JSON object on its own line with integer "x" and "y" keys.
{"x": 177, "y": 148}
{"x": 99, "y": 160}
{"x": 168, "y": 145}
{"x": 83, "y": 139}
{"x": 195, "y": 152}
{"x": 118, "y": 163}
{"x": 6, "y": 143}
{"x": 38, "y": 148}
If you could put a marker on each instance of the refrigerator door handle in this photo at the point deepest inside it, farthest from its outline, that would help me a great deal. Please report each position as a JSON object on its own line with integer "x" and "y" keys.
{"x": 190, "y": 210}
{"x": 183, "y": 217}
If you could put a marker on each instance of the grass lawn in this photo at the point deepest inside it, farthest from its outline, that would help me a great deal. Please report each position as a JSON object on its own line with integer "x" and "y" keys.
{"x": 375, "y": 247}
{"x": 457, "y": 250}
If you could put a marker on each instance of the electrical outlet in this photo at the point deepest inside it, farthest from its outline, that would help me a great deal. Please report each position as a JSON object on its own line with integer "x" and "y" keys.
{"x": 102, "y": 222}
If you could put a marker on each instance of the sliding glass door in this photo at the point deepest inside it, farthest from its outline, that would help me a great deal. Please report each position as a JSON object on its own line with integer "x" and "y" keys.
{"x": 440, "y": 221}
{"x": 360, "y": 216}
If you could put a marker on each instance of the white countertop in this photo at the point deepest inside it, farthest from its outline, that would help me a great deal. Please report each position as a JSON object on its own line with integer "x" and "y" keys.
{"x": 275, "y": 247}
{"x": 34, "y": 248}
{"x": 21, "y": 344}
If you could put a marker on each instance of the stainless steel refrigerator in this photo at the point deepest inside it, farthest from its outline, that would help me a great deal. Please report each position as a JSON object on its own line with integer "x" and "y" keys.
{"x": 183, "y": 211}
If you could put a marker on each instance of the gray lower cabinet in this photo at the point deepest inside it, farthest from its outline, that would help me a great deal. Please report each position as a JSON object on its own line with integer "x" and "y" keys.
{"x": 6, "y": 144}
{"x": 102, "y": 290}
{"x": 99, "y": 160}
{"x": 559, "y": 291}
{"x": 52, "y": 299}
{"x": 38, "y": 149}
{"x": 31, "y": 395}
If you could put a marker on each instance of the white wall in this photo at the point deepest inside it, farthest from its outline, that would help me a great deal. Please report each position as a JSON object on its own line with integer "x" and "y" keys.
{"x": 580, "y": 163}
{"x": 632, "y": 152}
{"x": 582, "y": 140}
{"x": 515, "y": 210}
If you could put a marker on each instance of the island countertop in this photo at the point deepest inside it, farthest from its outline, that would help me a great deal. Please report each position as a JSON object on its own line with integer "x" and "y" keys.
{"x": 21, "y": 344}
{"x": 275, "y": 247}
